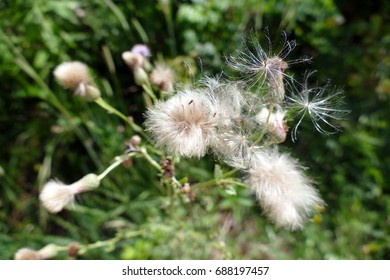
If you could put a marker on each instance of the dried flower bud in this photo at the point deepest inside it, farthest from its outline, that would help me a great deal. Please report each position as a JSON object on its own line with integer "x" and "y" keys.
{"x": 88, "y": 92}
{"x": 133, "y": 59}
{"x": 186, "y": 190}
{"x": 73, "y": 249}
{"x": 87, "y": 183}
{"x": 274, "y": 75}
{"x": 71, "y": 74}
{"x": 49, "y": 251}
{"x": 167, "y": 167}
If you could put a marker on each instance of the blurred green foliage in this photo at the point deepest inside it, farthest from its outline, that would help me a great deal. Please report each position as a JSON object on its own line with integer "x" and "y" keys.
{"x": 46, "y": 132}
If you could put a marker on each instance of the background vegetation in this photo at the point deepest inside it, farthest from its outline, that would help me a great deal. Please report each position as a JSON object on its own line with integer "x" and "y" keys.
{"x": 47, "y": 132}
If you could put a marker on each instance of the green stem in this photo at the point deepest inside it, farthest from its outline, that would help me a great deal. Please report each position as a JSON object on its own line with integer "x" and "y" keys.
{"x": 118, "y": 161}
{"x": 102, "y": 103}
{"x": 109, "y": 242}
{"x": 150, "y": 159}
{"x": 214, "y": 181}
{"x": 148, "y": 89}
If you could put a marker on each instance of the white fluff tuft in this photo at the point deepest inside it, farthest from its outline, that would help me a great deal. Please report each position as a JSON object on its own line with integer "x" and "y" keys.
{"x": 56, "y": 195}
{"x": 71, "y": 74}
{"x": 27, "y": 254}
{"x": 282, "y": 188}
{"x": 47, "y": 252}
{"x": 163, "y": 77}
{"x": 184, "y": 124}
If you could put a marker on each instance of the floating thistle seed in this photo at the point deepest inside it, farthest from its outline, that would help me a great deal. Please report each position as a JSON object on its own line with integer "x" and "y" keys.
{"x": 322, "y": 106}
{"x": 55, "y": 195}
{"x": 284, "y": 192}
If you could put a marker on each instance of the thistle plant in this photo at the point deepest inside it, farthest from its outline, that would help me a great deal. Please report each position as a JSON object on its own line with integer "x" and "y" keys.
{"x": 240, "y": 122}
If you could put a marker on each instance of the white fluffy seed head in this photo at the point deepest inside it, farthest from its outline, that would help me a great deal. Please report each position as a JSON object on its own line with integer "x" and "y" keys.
{"x": 47, "y": 252}
{"x": 55, "y": 195}
{"x": 234, "y": 148}
{"x": 228, "y": 99}
{"x": 27, "y": 254}
{"x": 284, "y": 192}
{"x": 184, "y": 124}
{"x": 71, "y": 74}
{"x": 162, "y": 77}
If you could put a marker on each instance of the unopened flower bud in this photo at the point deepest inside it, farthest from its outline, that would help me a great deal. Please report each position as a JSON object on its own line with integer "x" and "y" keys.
{"x": 48, "y": 252}
{"x": 276, "y": 125}
{"x": 135, "y": 140}
{"x": 88, "y": 92}
{"x": 87, "y": 183}
{"x": 140, "y": 76}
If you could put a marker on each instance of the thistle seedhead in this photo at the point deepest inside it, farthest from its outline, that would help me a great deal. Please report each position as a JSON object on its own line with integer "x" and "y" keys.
{"x": 284, "y": 191}
{"x": 184, "y": 124}
{"x": 71, "y": 74}
{"x": 55, "y": 195}
{"x": 259, "y": 68}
